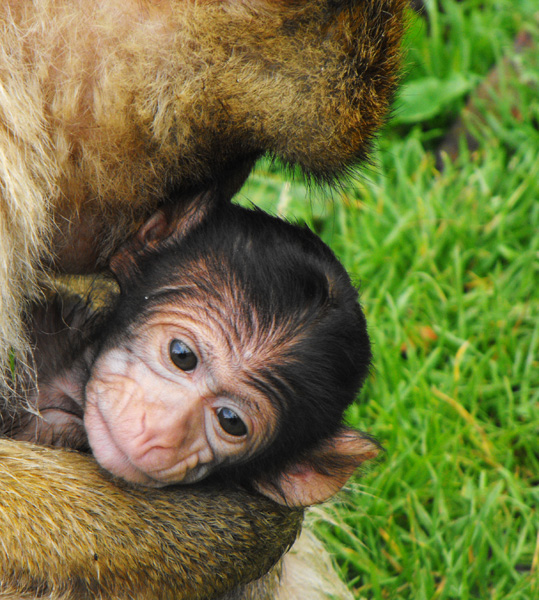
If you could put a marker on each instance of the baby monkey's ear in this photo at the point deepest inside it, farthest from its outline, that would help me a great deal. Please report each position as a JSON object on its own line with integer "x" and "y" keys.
{"x": 317, "y": 477}
{"x": 172, "y": 222}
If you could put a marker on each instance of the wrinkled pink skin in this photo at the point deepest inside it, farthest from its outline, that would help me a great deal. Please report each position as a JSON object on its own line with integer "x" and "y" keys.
{"x": 152, "y": 423}
{"x": 146, "y": 420}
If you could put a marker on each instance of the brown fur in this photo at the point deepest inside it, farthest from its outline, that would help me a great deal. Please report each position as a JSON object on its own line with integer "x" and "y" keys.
{"x": 105, "y": 107}
{"x": 123, "y": 542}
{"x": 306, "y": 572}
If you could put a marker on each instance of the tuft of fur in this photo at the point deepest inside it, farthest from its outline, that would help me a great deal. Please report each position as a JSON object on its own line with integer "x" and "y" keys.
{"x": 309, "y": 572}
{"x": 106, "y": 107}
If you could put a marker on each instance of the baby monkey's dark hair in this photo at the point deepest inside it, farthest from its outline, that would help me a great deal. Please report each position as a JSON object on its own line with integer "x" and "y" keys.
{"x": 279, "y": 291}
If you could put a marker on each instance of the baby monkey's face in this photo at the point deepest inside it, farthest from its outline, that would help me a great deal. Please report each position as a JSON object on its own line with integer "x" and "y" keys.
{"x": 172, "y": 401}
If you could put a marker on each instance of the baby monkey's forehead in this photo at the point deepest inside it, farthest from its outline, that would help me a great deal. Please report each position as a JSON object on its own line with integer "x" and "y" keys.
{"x": 235, "y": 347}
{"x": 226, "y": 317}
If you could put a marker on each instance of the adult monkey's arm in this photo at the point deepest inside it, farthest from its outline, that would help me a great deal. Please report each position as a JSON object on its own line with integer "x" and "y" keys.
{"x": 68, "y": 531}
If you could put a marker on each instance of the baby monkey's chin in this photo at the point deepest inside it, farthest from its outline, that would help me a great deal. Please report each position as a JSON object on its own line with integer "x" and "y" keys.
{"x": 117, "y": 462}
{"x": 107, "y": 452}
{"x": 130, "y": 473}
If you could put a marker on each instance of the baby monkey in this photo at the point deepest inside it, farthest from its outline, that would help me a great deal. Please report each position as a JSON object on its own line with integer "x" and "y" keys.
{"x": 233, "y": 348}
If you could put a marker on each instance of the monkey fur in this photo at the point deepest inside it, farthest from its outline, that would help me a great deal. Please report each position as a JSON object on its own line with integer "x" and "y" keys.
{"x": 273, "y": 333}
{"x": 39, "y": 562}
{"x": 135, "y": 553}
{"x": 123, "y": 557}
{"x": 106, "y": 108}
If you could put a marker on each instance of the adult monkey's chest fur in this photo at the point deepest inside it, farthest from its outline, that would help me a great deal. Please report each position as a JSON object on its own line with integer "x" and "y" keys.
{"x": 219, "y": 83}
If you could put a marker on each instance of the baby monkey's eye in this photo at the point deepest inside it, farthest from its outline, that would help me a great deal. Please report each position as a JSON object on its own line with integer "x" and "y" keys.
{"x": 230, "y": 422}
{"x": 182, "y": 356}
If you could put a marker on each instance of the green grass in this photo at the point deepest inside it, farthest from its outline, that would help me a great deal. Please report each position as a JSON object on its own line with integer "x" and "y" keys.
{"x": 447, "y": 262}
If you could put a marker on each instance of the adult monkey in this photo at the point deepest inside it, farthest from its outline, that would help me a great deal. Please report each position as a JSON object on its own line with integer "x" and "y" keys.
{"x": 106, "y": 107}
